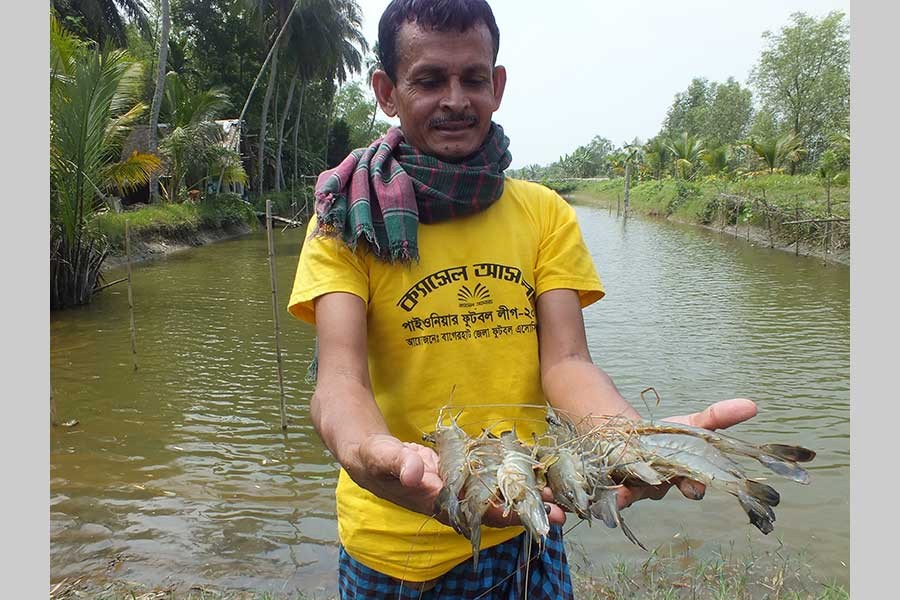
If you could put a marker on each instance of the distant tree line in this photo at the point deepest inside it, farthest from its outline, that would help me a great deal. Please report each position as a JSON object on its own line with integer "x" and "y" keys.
{"x": 794, "y": 118}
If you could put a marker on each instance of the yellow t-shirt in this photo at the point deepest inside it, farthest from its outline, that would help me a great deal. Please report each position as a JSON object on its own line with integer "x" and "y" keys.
{"x": 462, "y": 319}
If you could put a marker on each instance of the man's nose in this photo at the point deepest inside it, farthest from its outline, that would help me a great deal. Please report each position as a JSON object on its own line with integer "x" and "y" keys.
{"x": 455, "y": 98}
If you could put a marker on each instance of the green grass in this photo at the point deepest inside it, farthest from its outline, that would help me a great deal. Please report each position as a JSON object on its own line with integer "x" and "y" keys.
{"x": 673, "y": 575}
{"x": 174, "y": 220}
{"x": 726, "y": 576}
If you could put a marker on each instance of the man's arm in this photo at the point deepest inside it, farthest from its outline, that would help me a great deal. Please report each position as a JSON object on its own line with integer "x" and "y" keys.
{"x": 349, "y": 421}
{"x": 573, "y": 383}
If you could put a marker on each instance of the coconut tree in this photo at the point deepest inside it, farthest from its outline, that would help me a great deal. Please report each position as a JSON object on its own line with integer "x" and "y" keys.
{"x": 657, "y": 155}
{"x": 373, "y": 63}
{"x": 688, "y": 151}
{"x": 343, "y": 54}
{"x": 775, "y": 151}
{"x": 717, "y": 160}
{"x": 104, "y": 20}
{"x": 633, "y": 155}
{"x": 94, "y": 100}
{"x": 194, "y": 141}
{"x": 158, "y": 93}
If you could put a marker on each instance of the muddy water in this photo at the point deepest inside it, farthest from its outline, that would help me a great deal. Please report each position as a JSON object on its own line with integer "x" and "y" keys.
{"x": 179, "y": 473}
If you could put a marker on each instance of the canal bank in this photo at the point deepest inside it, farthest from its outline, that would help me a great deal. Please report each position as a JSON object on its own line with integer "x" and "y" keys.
{"x": 792, "y": 214}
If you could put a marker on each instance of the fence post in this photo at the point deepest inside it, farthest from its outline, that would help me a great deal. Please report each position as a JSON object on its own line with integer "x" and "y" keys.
{"x": 271, "y": 241}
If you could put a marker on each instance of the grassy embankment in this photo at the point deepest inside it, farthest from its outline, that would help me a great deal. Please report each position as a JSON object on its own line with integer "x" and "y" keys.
{"x": 764, "y": 204}
{"x": 175, "y": 222}
{"x": 679, "y": 576}
{"x": 156, "y": 228}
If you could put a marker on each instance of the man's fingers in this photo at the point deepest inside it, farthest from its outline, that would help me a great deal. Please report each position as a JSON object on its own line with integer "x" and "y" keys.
{"x": 720, "y": 415}
{"x": 628, "y": 495}
{"x": 693, "y": 490}
{"x": 411, "y": 468}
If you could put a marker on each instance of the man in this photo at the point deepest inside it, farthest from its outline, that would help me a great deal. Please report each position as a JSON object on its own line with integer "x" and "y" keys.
{"x": 427, "y": 272}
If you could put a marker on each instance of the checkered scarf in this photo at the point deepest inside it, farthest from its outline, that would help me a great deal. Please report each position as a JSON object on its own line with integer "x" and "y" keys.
{"x": 382, "y": 193}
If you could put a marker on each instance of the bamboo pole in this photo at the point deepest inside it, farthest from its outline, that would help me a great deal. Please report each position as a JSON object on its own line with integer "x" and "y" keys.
{"x": 275, "y": 309}
{"x": 130, "y": 297}
{"x": 797, "y": 235}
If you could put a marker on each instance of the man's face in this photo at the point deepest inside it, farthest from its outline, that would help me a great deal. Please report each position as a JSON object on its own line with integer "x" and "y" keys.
{"x": 446, "y": 90}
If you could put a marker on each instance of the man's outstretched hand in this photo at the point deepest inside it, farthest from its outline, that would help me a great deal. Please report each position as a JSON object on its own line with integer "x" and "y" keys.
{"x": 720, "y": 415}
{"x": 407, "y": 474}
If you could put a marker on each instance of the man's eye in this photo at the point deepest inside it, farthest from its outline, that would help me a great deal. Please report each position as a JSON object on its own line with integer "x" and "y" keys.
{"x": 429, "y": 83}
{"x": 476, "y": 82}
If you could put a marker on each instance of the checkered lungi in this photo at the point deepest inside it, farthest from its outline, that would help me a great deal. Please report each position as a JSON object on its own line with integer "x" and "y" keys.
{"x": 501, "y": 575}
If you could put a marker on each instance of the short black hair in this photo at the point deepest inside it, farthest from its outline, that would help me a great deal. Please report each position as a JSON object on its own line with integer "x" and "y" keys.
{"x": 440, "y": 15}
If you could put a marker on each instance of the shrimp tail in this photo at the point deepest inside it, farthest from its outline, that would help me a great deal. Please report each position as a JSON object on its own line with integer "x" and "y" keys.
{"x": 783, "y": 459}
{"x": 475, "y": 538}
{"x": 447, "y": 500}
{"x": 761, "y": 516}
{"x": 762, "y": 492}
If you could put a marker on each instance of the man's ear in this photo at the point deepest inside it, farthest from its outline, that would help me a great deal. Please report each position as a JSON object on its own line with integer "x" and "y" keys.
{"x": 499, "y": 79}
{"x": 384, "y": 92}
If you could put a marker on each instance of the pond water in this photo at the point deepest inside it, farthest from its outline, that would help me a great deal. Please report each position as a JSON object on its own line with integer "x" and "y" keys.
{"x": 179, "y": 473}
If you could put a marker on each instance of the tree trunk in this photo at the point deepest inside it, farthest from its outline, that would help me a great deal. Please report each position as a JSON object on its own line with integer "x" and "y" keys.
{"x": 374, "y": 112}
{"x": 287, "y": 108}
{"x": 627, "y": 185}
{"x": 296, "y": 134}
{"x": 158, "y": 93}
{"x": 328, "y": 130}
{"x": 828, "y": 223}
{"x": 261, "y": 156}
{"x": 262, "y": 70}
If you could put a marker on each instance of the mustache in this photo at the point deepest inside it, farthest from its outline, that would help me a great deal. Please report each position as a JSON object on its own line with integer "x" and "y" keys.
{"x": 468, "y": 119}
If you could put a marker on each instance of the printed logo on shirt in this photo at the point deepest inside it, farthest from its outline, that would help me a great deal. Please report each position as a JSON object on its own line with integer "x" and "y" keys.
{"x": 474, "y": 323}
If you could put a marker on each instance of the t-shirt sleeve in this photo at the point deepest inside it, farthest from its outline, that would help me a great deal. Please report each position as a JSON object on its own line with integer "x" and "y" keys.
{"x": 326, "y": 265}
{"x": 564, "y": 261}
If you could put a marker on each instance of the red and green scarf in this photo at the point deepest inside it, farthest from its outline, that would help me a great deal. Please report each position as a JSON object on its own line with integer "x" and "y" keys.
{"x": 382, "y": 193}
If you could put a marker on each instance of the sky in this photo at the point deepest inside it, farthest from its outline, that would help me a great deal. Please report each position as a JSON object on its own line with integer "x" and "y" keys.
{"x": 580, "y": 68}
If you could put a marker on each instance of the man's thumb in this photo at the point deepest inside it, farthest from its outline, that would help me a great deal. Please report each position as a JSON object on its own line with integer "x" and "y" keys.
{"x": 410, "y": 468}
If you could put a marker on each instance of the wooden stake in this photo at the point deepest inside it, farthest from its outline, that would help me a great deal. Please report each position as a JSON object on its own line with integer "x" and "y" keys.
{"x": 53, "y": 418}
{"x": 275, "y": 309}
{"x": 797, "y": 234}
{"x": 130, "y": 297}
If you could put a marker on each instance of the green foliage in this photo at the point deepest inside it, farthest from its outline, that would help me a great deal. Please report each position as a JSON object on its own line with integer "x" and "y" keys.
{"x": 103, "y": 20}
{"x": 193, "y": 146}
{"x": 356, "y": 106}
{"x": 803, "y": 78}
{"x": 338, "y": 143}
{"x": 94, "y": 100}
{"x": 173, "y": 220}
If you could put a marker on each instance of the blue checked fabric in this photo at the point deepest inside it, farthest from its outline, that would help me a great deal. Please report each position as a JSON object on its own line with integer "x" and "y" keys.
{"x": 501, "y": 575}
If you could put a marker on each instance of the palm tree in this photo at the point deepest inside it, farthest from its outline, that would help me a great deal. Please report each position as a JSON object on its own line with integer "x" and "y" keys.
{"x": 777, "y": 150}
{"x": 195, "y": 140}
{"x": 658, "y": 155}
{"x": 373, "y": 63}
{"x": 275, "y": 16}
{"x": 633, "y": 155}
{"x": 688, "y": 151}
{"x": 158, "y": 93}
{"x": 104, "y": 20}
{"x": 344, "y": 53}
{"x": 717, "y": 159}
{"x": 94, "y": 100}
